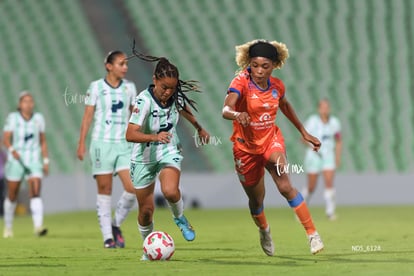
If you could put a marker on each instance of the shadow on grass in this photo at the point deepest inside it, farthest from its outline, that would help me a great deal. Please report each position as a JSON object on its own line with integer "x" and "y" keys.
{"x": 366, "y": 257}
{"x": 236, "y": 257}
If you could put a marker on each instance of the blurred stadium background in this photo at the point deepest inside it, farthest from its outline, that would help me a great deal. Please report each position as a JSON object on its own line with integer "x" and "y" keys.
{"x": 357, "y": 53}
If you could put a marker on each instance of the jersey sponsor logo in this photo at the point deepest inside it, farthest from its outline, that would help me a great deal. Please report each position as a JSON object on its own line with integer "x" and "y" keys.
{"x": 157, "y": 113}
{"x": 109, "y": 122}
{"x": 165, "y": 127}
{"x": 265, "y": 121}
{"x": 176, "y": 159}
{"x": 116, "y": 106}
{"x": 264, "y": 117}
{"x": 27, "y": 137}
{"x": 254, "y": 96}
{"x": 268, "y": 106}
{"x": 326, "y": 137}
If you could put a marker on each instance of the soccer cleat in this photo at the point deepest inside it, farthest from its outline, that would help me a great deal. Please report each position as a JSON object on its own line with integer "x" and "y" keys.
{"x": 109, "y": 243}
{"x": 7, "y": 233}
{"x": 332, "y": 217}
{"x": 185, "y": 227}
{"x": 40, "y": 232}
{"x": 266, "y": 242}
{"x": 119, "y": 239}
{"x": 315, "y": 242}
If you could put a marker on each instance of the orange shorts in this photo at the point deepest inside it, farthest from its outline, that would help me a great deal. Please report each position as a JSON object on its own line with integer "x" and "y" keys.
{"x": 250, "y": 167}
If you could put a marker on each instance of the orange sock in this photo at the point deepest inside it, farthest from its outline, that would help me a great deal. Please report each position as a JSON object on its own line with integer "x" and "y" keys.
{"x": 260, "y": 220}
{"x": 305, "y": 218}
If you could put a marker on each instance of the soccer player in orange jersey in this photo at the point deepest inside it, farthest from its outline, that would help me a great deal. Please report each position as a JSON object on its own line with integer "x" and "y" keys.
{"x": 252, "y": 101}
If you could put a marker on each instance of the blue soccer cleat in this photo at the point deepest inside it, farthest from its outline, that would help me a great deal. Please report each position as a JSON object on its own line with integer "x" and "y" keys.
{"x": 185, "y": 227}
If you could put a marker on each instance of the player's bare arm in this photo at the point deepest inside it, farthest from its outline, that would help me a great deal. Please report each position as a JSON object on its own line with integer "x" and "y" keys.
{"x": 86, "y": 123}
{"x": 135, "y": 135}
{"x": 7, "y": 136}
{"x": 230, "y": 113}
{"x": 290, "y": 113}
{"x": 202, "y": 133}
{"x": 45, "y": 155}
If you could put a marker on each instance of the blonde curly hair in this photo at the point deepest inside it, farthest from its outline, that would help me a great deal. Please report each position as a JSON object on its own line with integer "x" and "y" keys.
{"x": 243, "y": 58}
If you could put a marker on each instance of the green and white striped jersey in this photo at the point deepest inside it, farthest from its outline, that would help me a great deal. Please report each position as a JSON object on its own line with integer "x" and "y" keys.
{"x": 154, "y": 118}
{"x": 111, "y": 109}
{"x": 25, "y": 135}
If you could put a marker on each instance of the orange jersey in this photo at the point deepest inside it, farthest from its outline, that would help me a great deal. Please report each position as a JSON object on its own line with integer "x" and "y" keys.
{"x": 262, "y": 106}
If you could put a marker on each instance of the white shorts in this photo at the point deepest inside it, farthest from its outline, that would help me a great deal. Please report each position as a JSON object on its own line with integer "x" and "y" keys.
{"x": 316, "y": 162}
{"x": 109, "y": 158}
{"x": 14, "y": 170}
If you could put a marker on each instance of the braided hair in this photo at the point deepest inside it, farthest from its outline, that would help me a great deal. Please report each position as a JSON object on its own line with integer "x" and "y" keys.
{"x": 165, "y": 69}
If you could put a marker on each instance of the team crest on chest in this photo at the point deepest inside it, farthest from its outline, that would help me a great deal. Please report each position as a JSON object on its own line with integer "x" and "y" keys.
{"x": 275, "y": 93}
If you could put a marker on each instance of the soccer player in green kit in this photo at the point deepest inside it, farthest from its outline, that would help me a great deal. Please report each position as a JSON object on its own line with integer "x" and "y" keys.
{"x": 109, "y": 102}
{"x": 157, "y": 149}
{"x": 25, "y": 140}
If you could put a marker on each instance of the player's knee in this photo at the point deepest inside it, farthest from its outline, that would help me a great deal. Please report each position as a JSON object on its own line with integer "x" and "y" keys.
{"x": 171, "y": 194}
{"x": 12, "y": 197}
{"x": 311, "y": 190}
{"x": 285, "y": 189}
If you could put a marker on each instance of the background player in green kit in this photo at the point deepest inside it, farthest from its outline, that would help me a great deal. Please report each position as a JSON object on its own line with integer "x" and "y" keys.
{"x": 156, "y": 148}
{"x": 327, "y": 128}
{"x": 25, "y": 139}
{"x": 109, "y": 102}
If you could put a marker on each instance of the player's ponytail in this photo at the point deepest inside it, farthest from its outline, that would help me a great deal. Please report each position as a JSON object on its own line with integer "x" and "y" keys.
{"x": 164, "y": 69}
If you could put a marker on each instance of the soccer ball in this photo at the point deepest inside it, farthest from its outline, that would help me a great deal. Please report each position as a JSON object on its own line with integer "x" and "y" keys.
{"x": 159, "y": 245}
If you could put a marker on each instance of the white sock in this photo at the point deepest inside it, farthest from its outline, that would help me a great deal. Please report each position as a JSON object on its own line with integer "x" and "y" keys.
{"x": 9, "y": 208}
{"x": 145, "y": 230}
{"x": 36, "y": 208}
{"x": 305, "y": 194}
{"x": 103, "y": 208}
{"x": 329, "y": 195}
{"x": 177, "y": 208}
{"x": 123, "y": 207}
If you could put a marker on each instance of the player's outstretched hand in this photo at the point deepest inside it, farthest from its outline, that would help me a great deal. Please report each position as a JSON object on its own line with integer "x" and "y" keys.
{"x": 203, "y": 136}
{"x": 313, "y": 140}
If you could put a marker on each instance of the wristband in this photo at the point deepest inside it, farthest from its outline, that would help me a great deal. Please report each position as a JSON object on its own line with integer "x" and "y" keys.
{"x": 10, "y": 149}
{"x": 46, "y": 161}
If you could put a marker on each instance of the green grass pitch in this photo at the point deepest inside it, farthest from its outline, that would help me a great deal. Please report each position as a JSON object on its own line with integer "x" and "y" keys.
{"x": 363, "y": 241}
